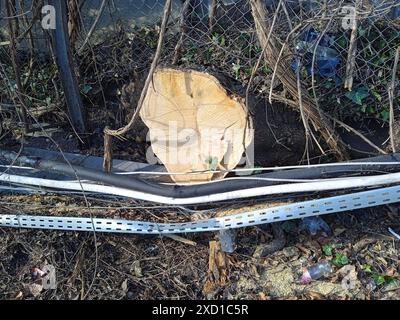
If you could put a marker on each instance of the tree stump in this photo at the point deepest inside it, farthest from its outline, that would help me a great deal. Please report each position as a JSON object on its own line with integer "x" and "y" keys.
{"x": 195, "y": 124}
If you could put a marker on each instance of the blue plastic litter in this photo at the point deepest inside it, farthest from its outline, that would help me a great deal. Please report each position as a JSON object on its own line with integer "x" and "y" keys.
{"x": 315, "y": 224}
{"x": 326, "y": 58}
{"x": 227, "y": 239}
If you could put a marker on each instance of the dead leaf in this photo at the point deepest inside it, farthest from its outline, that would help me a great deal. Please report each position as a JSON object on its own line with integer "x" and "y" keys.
{"x": 136, "y": 269}
{"x": 314, "y": 295}
{"x": 359, "y": 245}
{"x": 124, "y": 286}
{"x": 390, "y": 272}
{"x": 303, "y": 249}
{"x": 33, "y": 289}
{"x": 338, "y": 231}
{"x": 19, "y": 296}
{"x": 348, "y": 270}
{"x": 262, "y": 296}
{"x": 384, "y": 262}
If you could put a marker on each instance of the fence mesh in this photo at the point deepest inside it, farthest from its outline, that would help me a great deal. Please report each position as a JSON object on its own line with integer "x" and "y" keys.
{"x": 214, "y": 34}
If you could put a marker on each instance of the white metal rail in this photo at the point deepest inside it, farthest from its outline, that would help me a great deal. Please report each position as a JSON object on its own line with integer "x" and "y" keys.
{"x": 297, "y": 210}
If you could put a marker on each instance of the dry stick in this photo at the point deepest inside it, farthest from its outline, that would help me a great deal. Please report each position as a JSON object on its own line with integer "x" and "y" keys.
{"x": 351, "y": 55}
{"x": 93, "y": 57}
{"x": 313, "y": 62}
{"x": 93, "y": 27}
{"x": 342, "y": 124}
{"x": 124, "y": 130}
{"x": 393, "y": 140}
{"x": 313, "y": 73}
{"x": 299, "y": 89}
{"x": 73, "y": 22}
{"x": 36, "y": 11}
{"x": 213, "y": 11}
{"x": 303, "y": 116}
{"x": 347, "y": 127}
{"x": 279, "y": 98}
{"x": 288, "y": 79}
{"x": 107, "y": 160}
{"x": 257, "y": 65}
{"x": 278, "y": 59}
{"x": 287, "y": 15}
{"x": 11, "y": 11}
{"x": 31, "y": 45}
{"x": 182, "y": 27}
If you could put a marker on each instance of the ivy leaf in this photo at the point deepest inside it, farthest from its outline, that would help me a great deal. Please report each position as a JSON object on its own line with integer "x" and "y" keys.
{"x": 212, "y": 163}
{"x": 392, "y": 282}
{"x": 358, "y": 95}
{"x": 379, "y": 279}
{"x": 367, "y": 268}
{"x": 377, "y": 95}
{"x": 327, "y": 249}
{"x": 236, "y": 69}
{"x": 340, "y": 260}
{"x": 385, "y": 115}
{"x": 222, "y": 41}
{"x": 86, "y": 88}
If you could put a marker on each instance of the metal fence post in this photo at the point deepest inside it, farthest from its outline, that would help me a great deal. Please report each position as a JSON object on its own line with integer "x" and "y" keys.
{"x": 64, "y": 63}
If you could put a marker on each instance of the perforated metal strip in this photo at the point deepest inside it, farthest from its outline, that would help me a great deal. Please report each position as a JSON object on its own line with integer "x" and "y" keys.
{"x": 297, "y": 210}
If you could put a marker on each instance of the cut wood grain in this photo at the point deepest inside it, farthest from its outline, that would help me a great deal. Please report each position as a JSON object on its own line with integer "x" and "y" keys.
{"x": 195, "y": 124}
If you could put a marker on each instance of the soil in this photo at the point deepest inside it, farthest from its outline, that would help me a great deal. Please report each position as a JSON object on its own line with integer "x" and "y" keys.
{"x": 152, "y": 267}
{"x": 103, "y": 266}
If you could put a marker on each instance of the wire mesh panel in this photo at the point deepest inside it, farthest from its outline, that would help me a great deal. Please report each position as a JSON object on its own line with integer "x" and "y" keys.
{"x": 113, "y": 43}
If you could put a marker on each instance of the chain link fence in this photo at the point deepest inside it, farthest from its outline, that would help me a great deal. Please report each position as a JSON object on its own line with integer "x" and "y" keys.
{"x": 317, "y": 38}
{"x": 343, "y": 51}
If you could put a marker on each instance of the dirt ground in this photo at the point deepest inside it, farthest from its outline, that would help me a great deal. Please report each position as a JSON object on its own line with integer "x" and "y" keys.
{"x": 105, "y": 266}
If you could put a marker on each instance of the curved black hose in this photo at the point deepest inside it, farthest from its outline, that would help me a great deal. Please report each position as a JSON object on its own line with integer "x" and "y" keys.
{"x": 64, "y": 63}
{"x": 176, "y": 191}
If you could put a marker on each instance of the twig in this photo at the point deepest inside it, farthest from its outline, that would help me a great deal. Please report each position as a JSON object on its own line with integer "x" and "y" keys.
{"x": 182, "y": 27}
{"x": 342, "y": 124}
{"x": 35, "y": 8}
{"x": 257, "y": 65}
{"x": 351, "y": 56}
{"x": 393, "y": 140}
{"x": 359, "y": 134}
{"x": 93, "y": 27}
{"x": 278, "y": 59}
{"x": 301, "y": 107}
{"x": 107, "y": 160}
{"x": 181, "y": 239}
{"x": 96, "y": 69}
{"x": 287, "y": 15}
{"x": 12, "y": 26}
{"x": 73, "y": 22}
{"x": 211, "y": 18}
{"x": 124, "y": 130}
{"x": 288, "y": 79}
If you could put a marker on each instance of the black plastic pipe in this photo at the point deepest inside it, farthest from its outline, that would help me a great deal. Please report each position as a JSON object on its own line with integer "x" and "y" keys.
{"x": 65, "y": 64}
{"x": 176, "y": 191}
